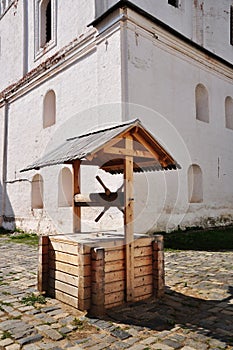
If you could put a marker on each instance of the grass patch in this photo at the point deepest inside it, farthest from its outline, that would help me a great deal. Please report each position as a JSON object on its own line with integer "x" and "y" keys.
{"x": 32, "y": 299}
{"x": 78, "y": 323}
{"x": 5, "y": 335}
{"x": 219, "y": 239}
{"x": 25, "y": 238}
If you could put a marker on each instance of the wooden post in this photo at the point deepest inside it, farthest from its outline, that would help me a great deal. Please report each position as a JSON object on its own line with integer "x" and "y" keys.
{"x": 158, "y": 266}
{"x": 43, "y": 270}
{"x": 128, "y": 221}
{"x": 76, "y": 189}
{"x": 98, "y": 281}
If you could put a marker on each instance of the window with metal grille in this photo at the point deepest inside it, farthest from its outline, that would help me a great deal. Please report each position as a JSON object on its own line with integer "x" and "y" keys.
{"x": 174, "y": 3}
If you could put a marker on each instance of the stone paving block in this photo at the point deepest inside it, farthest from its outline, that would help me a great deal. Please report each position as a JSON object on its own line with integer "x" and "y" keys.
{"x": 51, "y": 308}
{"x": 31, "y": 347}
{"x": 65, "y": 330}
{"x": 103, "y": 324}
{"x": 13, "y": 347}
{"x": 100, "y": 346}
{"x": 161, "y": 346}
{"x": 54, "y": 312}
{"x": 121, "y": 334}
{"x": 52, "y": 334}
{"x": 132, "y": 331}
{"x": 196, "y": 345}
{"x": 148, "y": 341}
{"x": 55, "y": 325}
{"x": 119, "y": 346}
{"x": 217, "y": 344}
{"x": 137, "y": 347}
{"x": 42, "y": 327}
{"x": 5, "y": 342}
{"x": 26, "y": 308}
{"x": 30, "y": 339}
{"x": 131, "y": 341}
{"x": 172, "y": 343}
{"x": 60, "y": 315}
{"x": 187, "y": 348}
{"x": 7, "y": 308}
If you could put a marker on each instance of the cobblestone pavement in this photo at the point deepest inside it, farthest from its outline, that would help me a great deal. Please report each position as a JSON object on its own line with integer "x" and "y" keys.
{"x": 196, "y": 312}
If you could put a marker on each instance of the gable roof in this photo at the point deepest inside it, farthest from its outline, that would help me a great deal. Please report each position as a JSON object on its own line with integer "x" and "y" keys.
{"x": 96, "y": 148}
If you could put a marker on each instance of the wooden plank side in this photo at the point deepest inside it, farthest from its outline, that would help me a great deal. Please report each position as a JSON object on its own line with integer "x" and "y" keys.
{"x": 110, "y": 306}
{"x": 143, "y": 251}
{"x": 63, "y": 287}
{"x": 142, "y": 297}
{"x": 65, "y": 298}
{"x": 115, "y": 276}
{"x": 143, "y": 261}
{"x": 111, "y": 267}
{"x": 63, "y": 247}
{"x": 114, "y": 255}
{"x": 114, "y": 287}
{"x": 143, "y": 242}
{"x": 143, "y": 270}
{"x": 63, "y": 257}
{"x": 66, "y": 268}
{"x": 64, "y": 277}
{"x": 143, "y": 290}
{"x": 118, "y": 297}
{"x": 144, "y": 280}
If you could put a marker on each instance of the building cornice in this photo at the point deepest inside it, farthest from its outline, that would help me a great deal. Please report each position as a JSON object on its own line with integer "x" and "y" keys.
{"x": 124, "y": 4}
{"x": 75, "y": 50}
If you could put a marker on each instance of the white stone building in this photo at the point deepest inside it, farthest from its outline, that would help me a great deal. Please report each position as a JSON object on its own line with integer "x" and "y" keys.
{"x": 70, "y": 66}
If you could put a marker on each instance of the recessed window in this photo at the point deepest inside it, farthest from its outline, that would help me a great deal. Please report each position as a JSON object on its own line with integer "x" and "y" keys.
{"x": 45, "y": 26}
{"x": 65, "y": 189}
{"x": 174, "y": 3}
{"x": 229, "y": 112}
{"x": 231, "y": 25}
{"x": 46, "y": 23}
{"x": 37, "y": 192}
{"x": 202, "y": 103}
{"x": 195, "y": 185}
{"x": 49, "y": 109}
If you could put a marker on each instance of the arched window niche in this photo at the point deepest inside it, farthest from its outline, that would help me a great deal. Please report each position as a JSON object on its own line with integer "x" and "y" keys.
{"x": 37, "y": 192}
{"x": 229, "y": 112}
{"x": 65, "y": 188}
{"x": 49, "y": 109}
{"x": 202, "y": 103}
{"x": 195, "y": 184}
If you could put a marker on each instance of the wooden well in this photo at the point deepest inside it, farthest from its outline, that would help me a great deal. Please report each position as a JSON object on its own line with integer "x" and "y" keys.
{"x": 94, "y": 271}
{"x": 89, "y": 273}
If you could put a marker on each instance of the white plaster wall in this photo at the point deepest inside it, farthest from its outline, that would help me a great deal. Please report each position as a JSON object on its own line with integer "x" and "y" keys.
{"x": 206, "y": 22}
{"x": 80, "y": 108}
{"x": 11, "y": 36}
{"x": 161, "y": 92}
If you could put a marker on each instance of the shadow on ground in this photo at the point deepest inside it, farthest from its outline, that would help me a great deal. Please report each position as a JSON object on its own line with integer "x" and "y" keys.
{"x": 207, "y": 318}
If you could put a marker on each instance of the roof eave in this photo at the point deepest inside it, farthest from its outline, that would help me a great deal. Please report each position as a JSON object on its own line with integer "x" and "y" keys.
{"x": 130, "y": 5}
